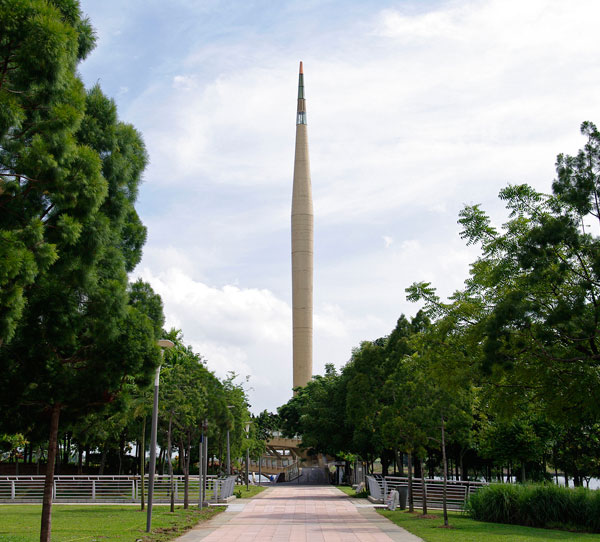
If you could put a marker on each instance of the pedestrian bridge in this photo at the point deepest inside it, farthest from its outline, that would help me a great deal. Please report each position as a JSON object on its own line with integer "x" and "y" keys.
{"x": 285, "y": 455}
{"x": 281, "y": 454}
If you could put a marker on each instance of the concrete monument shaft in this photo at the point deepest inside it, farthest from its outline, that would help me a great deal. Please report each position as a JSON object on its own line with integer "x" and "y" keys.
{"x": 302, "y": 249}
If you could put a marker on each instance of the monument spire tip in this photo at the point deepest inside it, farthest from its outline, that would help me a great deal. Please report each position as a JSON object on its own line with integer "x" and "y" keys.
{"x": 301, "y": 69}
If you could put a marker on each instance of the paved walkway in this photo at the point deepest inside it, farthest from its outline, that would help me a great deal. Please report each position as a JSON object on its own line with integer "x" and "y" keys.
{"x": 299, "y": 514}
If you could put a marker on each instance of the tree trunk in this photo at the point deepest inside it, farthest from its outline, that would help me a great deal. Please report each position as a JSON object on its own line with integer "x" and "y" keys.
{"x": 523, "y": 480}
{"x": 423, "y": 487}
{"x": 58, "y": 456}
{"x": 445, "y": 463}
{"x": 46, "y": 526}
{"x": 171, "y": 483}
{"x": 142, "y": 462}
{"x": 79, "y": 459}
{"x": 121, "y": 446}
{"x": 87, "y": 457}
{"x": 456, "y": 471}
{"x": 385, "y": 465}
{"x": 400, "y": 463}
{"x": 103, "y": 459}
{"x": 161, "y": 461}
{"x": 411, "y": 504}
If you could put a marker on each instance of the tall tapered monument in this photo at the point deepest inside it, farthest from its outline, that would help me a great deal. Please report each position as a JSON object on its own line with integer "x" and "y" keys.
{"x": 302, "y": 249}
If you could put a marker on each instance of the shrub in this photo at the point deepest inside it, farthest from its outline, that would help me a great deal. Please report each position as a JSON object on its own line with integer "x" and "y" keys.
{"x": 537, "y": 505}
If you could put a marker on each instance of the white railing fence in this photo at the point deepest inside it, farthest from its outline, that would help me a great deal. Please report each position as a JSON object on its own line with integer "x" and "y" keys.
{"x": 111, "y": 489}
{"x": 292, "y": 472}
{"x": 359, "y": 473}
{"x": 457, "y": 492}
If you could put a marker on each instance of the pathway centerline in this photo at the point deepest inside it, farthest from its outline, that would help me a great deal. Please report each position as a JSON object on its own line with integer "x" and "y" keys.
{"x": 299, "y": 514}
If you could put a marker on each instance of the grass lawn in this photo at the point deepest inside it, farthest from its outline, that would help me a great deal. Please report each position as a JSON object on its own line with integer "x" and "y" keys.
{"x": 351, "y": 493}
{"x": 241, "y": 493}
{"x": 21, "y": 523}
{"x": 469, "y": 530}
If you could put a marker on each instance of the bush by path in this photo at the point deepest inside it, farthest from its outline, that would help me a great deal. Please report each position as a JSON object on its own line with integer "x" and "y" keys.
{"x": 537, "y": 505}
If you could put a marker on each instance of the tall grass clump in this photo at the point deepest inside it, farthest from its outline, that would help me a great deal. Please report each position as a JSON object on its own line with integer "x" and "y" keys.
{"x": 537, "y": 505}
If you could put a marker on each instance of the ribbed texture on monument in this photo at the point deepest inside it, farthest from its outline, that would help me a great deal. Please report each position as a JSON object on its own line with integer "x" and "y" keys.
{"x": 302, "y": 249}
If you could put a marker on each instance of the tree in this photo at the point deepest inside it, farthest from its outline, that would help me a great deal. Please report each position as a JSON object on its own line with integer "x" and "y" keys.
{"x": 538, "y": 281}
{"x": 70, "y": 172}
{"x": 317, "y": 414}
{"x": 42, "y": 167}
{"x": 183, "y": 405}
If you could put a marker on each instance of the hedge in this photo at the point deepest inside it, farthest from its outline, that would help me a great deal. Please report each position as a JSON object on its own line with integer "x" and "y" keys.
{"x": 537, "y": 505}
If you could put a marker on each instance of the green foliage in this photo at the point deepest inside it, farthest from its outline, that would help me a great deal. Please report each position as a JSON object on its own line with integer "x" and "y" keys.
{"x": 539, "y": 505}
{"x": 317, "y": 413}
{"x": 43, "y": 169}
{"x": 524, "y": 330}
{"x": 266, "y": 423}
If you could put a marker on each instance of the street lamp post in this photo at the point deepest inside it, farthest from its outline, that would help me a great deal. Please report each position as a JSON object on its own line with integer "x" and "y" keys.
{"x": 229, "y": 448}
{"x": 228, "y": 455}
{"x": 163, "y": 343}
{"x": 201, "y": 465}
{"x": 247, "y": 454}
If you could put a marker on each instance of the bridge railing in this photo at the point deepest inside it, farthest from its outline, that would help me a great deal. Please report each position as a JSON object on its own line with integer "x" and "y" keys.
{"x": 107, "y": 488}
{"x": 457, "y": 492}
{"x": 292, "y": 472}
{"x": 270, "y": 463}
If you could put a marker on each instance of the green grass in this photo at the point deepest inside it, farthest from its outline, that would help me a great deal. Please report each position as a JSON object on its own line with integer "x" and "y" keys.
{"x": 466, "y": 529}
{"x": 352, "y": 493}
{"x": 21, "y": 523}
{"x": 242, "y": 493}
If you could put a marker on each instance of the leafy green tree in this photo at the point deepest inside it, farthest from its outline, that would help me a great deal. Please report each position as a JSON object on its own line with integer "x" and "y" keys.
{"x": 48, "y": 180}
{"x": 266, "y": 423}
{"x": 577, "y": 452}
{"x": 538, "y": 281}
{"x": 183, "y": 404}
{"x": 70, "y": 172}
{"x": 317, "y": 413}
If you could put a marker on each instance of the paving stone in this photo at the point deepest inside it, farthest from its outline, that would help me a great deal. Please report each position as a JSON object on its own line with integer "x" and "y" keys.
{"x": 299, "y": 514}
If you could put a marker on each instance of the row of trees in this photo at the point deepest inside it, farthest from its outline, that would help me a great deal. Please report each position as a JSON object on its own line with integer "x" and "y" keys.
{"x": 504, "y": 377}
{"x": 78, "y": 342}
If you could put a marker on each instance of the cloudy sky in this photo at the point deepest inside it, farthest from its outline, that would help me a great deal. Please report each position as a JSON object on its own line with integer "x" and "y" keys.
{"x": 415, "y": 108}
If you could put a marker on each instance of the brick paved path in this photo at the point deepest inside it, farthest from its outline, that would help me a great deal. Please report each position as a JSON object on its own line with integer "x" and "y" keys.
{"x": 299, "y": 514}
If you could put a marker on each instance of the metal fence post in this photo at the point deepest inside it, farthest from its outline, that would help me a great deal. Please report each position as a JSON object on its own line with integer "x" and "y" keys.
{"x": 94, "y": 490}
{"x": 12, "y": 490}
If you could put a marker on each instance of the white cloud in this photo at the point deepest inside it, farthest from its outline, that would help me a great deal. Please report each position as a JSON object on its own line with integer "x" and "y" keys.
{"x": 414, "y": 109}
{"x": 184, "y": 82}
{"x": 243, "y": 330}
